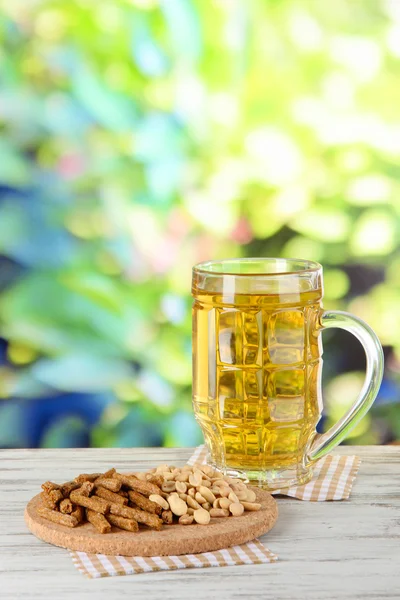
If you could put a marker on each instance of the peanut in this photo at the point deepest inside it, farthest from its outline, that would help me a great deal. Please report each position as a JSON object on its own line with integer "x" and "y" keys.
{"x": 184, "y": 476}
{"x": 167, "y": 476}
{"x": 190, "y": 510}
{"x": 216, "y": 503}
{"x": 225, "y": 503}
{"x": 186, "y": 520}
{"x": 192, "y": 492}
{"x": 207, "y": 506}
{"x": 200, "y": 499}
{"x": 219, "y": 512}
{"x": 206, "y": 493}
{"x": 219, "y": 482}
{"x": 201, "y": 516}
{"x": 250, "y": 496}
{"x": 242, "y": 495}
{"x": 232, "y": 496}
{"x": 192, "y": 503}
{"x": 195, "y": 478}
{"x": 236, "y": 509}
{"x": 183, "y": 497}
{"x": 168, "y": 486}
{"x": 207, "y": 470}
{"x": 177, "y": 505}
{"x": 159, "y": 500}
{"x": 251, "y": 505}
{"x": 206, "y": 483}
{"x": 238, "y": 487}
{"x": 181, "y": 487}
{"x": 224, "y": 491}
{"x": 162, "y": 468}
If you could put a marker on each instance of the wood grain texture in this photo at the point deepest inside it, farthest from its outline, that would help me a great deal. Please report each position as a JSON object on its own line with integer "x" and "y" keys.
{"x": 342, "y": 550}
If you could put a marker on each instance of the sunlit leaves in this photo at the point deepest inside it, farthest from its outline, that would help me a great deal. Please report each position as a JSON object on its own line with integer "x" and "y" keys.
{"x": 144, "y": 136}
{"x": 325, "y": 224}
{"x": 374, "y": 234}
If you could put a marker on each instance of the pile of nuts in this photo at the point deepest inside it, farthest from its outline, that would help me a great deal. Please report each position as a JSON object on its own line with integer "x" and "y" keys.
{"x": 196, "y": 494}
{"x": 113, "y": 500}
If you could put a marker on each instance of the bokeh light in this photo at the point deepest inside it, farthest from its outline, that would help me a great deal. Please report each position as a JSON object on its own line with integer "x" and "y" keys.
{"x": 139, "y": 137}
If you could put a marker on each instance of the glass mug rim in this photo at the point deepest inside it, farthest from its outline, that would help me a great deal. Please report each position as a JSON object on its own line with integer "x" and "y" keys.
{"x": 218, "y": 268}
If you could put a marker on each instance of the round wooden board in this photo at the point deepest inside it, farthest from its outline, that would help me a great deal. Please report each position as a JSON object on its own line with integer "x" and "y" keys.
{"x": 171, "y": 540}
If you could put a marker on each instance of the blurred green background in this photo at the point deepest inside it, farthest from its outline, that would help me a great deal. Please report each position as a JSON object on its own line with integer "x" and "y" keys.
{"x": 138, "y": 137}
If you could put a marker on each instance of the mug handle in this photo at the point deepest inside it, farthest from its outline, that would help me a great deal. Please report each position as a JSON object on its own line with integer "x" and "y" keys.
{"x": 324, "y": 443}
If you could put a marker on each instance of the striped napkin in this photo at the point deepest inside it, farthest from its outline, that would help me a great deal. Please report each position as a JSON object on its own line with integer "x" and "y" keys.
{"x": 100, "y": 565}
{"x": 333, "y": 480}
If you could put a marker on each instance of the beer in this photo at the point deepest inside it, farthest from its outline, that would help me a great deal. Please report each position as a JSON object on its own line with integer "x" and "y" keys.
{"x": 256, "y": 375}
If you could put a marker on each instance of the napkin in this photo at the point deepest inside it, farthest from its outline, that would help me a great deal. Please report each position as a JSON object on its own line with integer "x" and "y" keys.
{"x": 332, "y": 480}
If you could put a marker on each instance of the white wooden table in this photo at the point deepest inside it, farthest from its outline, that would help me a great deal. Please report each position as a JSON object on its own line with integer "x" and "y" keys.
{"x": 334, "y": 550}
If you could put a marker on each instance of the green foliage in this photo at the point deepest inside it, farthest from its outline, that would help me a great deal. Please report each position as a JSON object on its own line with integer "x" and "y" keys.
{"x": 139, "y": 137}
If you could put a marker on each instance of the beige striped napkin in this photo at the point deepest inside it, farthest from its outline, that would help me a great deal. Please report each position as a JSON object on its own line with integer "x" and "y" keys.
{"x": 333, "y": 480}
{"x": 100, "y": 565}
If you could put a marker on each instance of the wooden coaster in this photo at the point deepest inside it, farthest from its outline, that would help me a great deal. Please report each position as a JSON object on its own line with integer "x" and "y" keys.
{"x": 171, "y": 540}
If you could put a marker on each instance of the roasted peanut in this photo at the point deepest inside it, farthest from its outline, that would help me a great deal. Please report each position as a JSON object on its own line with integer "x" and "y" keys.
{"x": 236, "y": 509}
{"x": 219, "y": 512}
{"x": 200, "y": 499}
{"x": 195, "y": 478}
{"x": 168, "y": 486}
{"x": 225, "y": 503}
{"x": 232, "y": 496}
{"x": 192, "y": 503}
{"x": 159, "y": 500}
{"x": 178, "y": 506}
{"x": 162, "y": 468}
{"x": 206, "y": 506}
{"x": 216, "y": 503}
{"x": 250, "y": 496}
{"x": 206, "y": 493}
{"x": 206, "y": 483}
{"x": 201, "y": 516}
{"x": 181, "y": 487}
{"x": 251, "y": 505}
{"x": 241, "y": 494}
{"x": 186, "y": 520}
{"x": 219, "y": 482}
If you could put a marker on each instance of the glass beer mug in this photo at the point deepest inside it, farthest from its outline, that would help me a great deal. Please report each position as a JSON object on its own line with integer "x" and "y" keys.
{"x": 257, "y": 360}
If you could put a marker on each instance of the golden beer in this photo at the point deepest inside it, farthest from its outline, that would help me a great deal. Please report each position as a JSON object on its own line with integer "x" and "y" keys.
{"x": 257, "y": 360}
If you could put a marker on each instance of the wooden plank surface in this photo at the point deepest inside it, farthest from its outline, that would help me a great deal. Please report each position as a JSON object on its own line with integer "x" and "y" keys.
{"x": 327, "y": 550}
